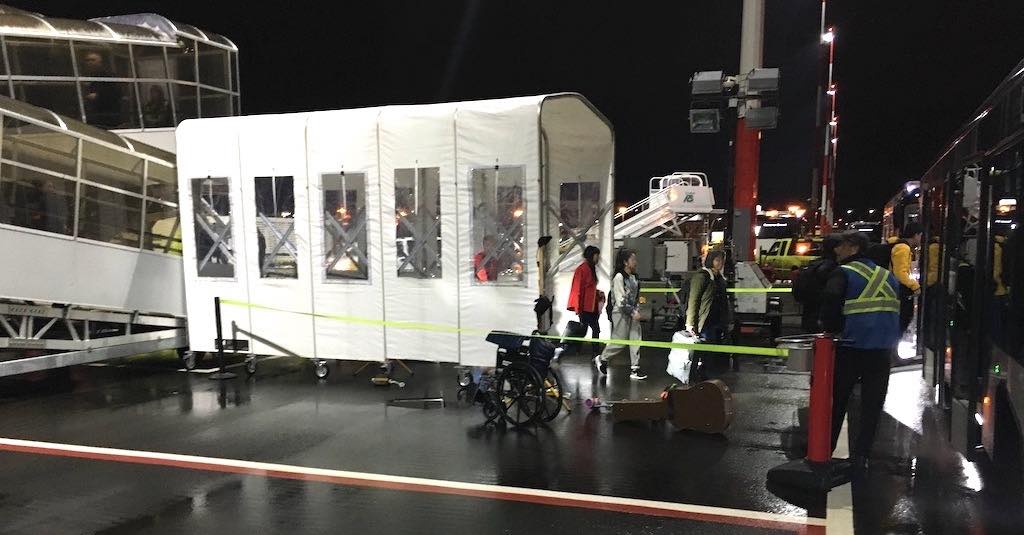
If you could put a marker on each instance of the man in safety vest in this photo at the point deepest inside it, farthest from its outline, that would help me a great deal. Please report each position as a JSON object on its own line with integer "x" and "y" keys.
{"x": 861, "y": 301}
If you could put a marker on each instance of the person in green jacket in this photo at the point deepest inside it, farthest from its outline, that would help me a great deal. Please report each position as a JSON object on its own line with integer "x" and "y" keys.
{"x": 708, "y": 312}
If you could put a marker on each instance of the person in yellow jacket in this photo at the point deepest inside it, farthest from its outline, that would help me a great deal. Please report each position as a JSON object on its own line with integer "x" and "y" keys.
{"x": 901, "y": 258}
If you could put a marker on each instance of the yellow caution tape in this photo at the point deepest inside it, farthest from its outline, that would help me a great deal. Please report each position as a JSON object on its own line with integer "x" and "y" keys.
{"x": 437, "y": 327}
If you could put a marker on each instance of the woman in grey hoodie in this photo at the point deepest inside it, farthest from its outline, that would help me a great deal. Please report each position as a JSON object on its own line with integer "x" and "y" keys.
{"x": 624, "y": 302}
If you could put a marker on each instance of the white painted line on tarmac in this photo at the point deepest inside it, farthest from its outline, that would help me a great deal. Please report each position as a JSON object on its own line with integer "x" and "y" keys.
{"x": 720, "y": 515}
{"x": 839, "y": 511}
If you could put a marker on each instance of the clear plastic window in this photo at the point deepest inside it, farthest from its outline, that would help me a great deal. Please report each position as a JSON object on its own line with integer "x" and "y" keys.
{"x": 110, "y": 104}
{"x": 103, "y": 60}
{"x": 39, "y": 57}
{"x": 162, "y": 230}
{"x": 418, "y": 222}
{"x": 58, "y": 97}
{"x": 211, "y": 206}
{"x": 109, "y": 216}
{"x": 186, "y": 105}
{"x": 499, "y": 225}
{"x": 111, "y": 167}
{"x": 275, "y": 227}
{"x": 181, "y": 61}
{"x": 579, "y": 210}
{"x": 156, "y": 105}
{"x": 215, "y": 103}
{"x": 40, "y": 147}
{"x": 149, "y": 61}
{"x": 213, "y": 66}
{"x": 36, "y": 200}
{"x": 346, "y": 251}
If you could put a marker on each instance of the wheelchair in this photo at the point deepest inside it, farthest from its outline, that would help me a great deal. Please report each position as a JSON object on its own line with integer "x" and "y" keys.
{"x": 523, "y": 388}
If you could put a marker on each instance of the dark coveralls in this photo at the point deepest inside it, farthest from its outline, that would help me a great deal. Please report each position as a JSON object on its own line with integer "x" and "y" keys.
{"x": 861, "y": 301}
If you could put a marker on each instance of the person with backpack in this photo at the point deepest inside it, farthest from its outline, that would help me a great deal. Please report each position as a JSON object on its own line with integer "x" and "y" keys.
{"x": 810, "y": 282}
{"x": 624, "y": 312}
{"x": 708, "y": 311}
{"x": 584, "y": 297}
{"x": 860, "y": 303}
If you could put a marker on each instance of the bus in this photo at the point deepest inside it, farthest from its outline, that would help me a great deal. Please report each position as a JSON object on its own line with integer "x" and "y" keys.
{"x": 902, "y": 209}
{"x": 971, "y": 320}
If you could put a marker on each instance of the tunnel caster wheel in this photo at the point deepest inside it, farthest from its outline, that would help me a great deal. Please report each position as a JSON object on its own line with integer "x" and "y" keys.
{"x": 321, "y": 370}
{"x": 189, "y": 359}
{"x": 250, "y": 364}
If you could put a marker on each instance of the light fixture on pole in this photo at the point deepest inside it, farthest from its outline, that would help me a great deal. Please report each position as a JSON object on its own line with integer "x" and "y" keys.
{"x": 829, "y": 36}
{"x": 831, "y": 90}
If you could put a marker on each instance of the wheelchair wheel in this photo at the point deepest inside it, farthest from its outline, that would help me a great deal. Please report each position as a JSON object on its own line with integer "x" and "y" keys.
{"x": 520, "y": 392}
{"x": 553, "y": 395}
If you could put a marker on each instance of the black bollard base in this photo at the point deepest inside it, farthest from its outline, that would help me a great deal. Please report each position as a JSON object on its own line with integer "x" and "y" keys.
{"x": 808, "y": 475}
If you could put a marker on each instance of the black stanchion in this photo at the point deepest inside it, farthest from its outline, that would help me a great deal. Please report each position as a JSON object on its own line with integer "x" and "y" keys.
{"x": 221, "y": 374}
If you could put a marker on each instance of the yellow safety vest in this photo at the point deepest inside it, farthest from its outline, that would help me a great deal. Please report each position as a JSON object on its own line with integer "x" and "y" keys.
{"x": 877, "y": 294}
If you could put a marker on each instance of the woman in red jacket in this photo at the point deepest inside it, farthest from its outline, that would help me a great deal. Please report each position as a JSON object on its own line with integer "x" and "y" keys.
{"x": 584, "y": 297}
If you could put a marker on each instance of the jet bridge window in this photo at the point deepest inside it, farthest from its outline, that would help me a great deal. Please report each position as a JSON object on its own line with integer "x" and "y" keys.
{"x": 275, "y": 227}
{"x": 499, "y": 225}
{"x": 418, "y": 222}
{"x": 346, "y": 251}
{"x": 211, "y": 207}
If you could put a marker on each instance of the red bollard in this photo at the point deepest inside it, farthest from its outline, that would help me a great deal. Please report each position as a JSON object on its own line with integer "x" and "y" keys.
{"x": 815, "y": 471}
{"x": 819, "y": 418}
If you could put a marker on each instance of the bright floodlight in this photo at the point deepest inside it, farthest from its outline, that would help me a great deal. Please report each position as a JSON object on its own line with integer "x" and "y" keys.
{"x": 871, "y": 211}
{"x": 763, "y": 80}
{"x": 831, "y": 90}
{"x": 828, "y": 36}
{"x": 849, "y": 211}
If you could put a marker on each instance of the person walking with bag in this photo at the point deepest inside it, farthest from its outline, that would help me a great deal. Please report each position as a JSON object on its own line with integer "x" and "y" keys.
{"x": 708, "y": 311}
{"x": 624, "y": 311}
{"x": 584, "y": 297}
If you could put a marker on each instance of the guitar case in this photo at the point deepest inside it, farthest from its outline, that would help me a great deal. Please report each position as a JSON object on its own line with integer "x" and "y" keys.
{"x": 706, "y": 407}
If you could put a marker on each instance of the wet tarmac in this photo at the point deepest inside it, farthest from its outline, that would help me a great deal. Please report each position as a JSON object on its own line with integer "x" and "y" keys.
{"x": 284, "y": 415}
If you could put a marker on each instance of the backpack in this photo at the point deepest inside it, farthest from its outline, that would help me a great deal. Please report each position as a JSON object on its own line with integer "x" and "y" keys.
{"x": 610, "y": 303}
{"x": 806, "y": 285}
{"x": 881, "y": 254}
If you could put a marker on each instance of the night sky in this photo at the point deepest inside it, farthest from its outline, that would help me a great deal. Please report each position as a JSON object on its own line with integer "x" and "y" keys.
{"x": 909, "y": 72}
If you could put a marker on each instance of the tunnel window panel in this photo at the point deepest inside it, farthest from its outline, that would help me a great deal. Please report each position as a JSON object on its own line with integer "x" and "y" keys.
{"x": 211, "y": 208}
{"x": 418, "y": 222}
{"x": 149, "y": 61}
{"x": 36, "y": 200}
{"x": 275, "y": 227}
{"x": 103, "y": 60}
{"x": 214, "y": 66}
{"x": 579, "y": 207}
{"x": 186, "y": 104}
{"x": 156, "y": 105}
{"x": 162, "y": 183}
{"x": 109, "y": 216}
{"x": 234, "y": 72}
{"x": 215, "y": 103}
{"x": 39, "y": 57}
{"x": 110, "y": 167}
{"x": 58, "y": 97}
{"x": 346, "y": 250}
{"x": 162, "y": 228}
{"x": 498, "y": 225}
{"x": 181, "y": 61}
{"x": 37, "y": 146}
{"x": 110, "y": 104}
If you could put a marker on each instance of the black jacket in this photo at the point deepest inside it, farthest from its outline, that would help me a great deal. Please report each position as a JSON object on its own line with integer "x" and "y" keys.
{"x": 808, "y": 290}
{"x": 833, "y": 297}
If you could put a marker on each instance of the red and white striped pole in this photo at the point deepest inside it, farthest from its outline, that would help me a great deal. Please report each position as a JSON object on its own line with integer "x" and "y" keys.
{"x": 748, "y": 142}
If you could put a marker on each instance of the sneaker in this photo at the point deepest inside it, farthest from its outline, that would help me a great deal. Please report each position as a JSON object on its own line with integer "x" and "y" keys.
{"x": 602, "y": 366}
{"x": 636, "y": 375}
